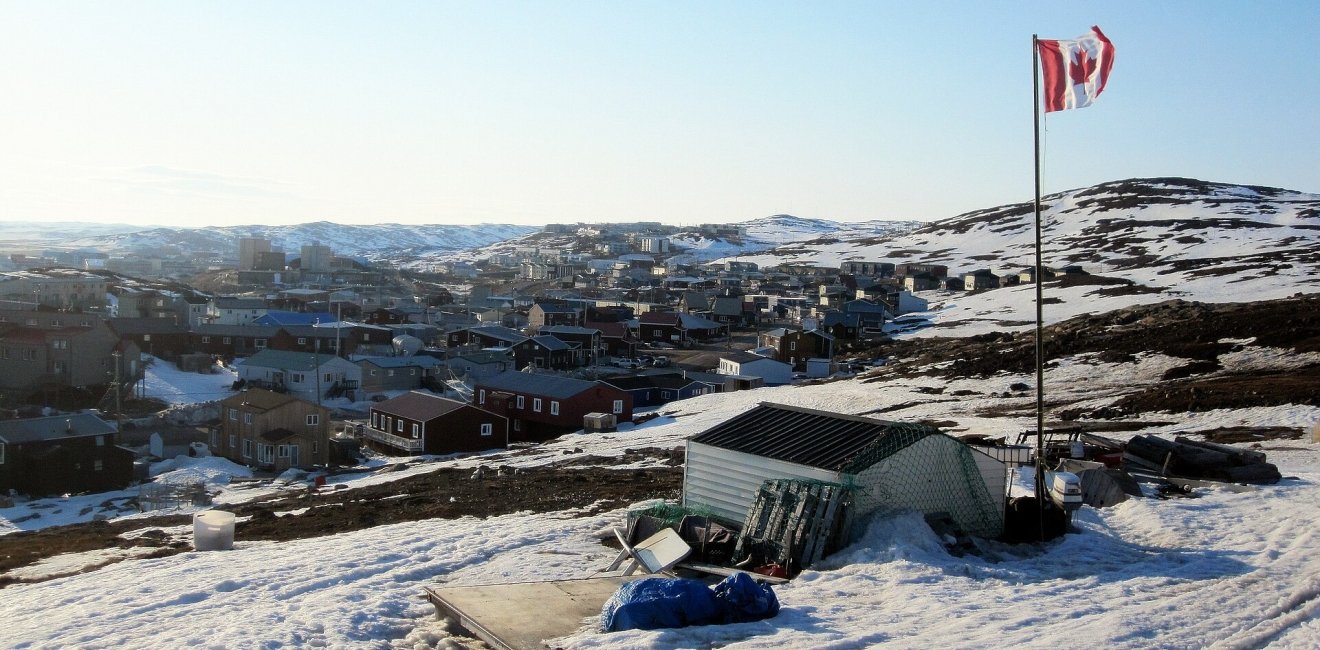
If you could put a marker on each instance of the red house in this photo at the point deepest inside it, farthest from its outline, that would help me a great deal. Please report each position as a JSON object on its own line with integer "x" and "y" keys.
{"x": 540, "y": 407}
{"x": 422, "y": 423}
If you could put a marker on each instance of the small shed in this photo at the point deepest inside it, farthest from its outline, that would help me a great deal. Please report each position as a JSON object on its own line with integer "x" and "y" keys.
{"x": 891, "y": 465}
{"x": 600, "y": 422}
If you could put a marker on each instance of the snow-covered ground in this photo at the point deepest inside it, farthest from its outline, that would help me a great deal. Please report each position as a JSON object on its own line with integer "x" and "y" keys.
{"x": 1227, "y": 569}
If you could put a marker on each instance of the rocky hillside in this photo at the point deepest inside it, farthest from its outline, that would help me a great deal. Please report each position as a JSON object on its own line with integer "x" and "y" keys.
{"x": 1177, "y": 236}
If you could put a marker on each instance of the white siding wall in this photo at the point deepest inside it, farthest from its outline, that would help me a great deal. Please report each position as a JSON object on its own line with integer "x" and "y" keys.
{"x": 726, "y": 481}
{"x": 995, "y": 474}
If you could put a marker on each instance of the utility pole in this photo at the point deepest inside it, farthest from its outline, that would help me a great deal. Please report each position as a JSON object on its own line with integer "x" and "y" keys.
{"x": 119, "y": 393}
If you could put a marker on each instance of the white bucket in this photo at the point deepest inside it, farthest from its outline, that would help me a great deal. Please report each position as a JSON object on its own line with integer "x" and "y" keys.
{"x": 213, "y": 530}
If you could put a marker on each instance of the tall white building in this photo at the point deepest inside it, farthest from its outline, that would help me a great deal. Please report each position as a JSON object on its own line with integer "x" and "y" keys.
{"x": 316, "y": 257}
{"x": 248, "y": 250}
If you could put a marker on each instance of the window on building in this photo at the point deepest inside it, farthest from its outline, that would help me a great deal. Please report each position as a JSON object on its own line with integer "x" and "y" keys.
{"x": 618, "y": 406}
{"x": 215, "y": 439}
{"x": 517, "y": 425}
{"x": 329, "y": 378}
{"x": 520, "y": 401}
{"x": 59, "y": 344}
{"x": 373, "y": 372}
{"x": 2, "y": 453}
{"x": 233, "y": 441}
{"x": 313, "y": 419}
{"x": 398, "y": 425}
{"x": 247, "y": 418}
{"x": 417, "y": 430}
{"x": 233, "y": 414}
{"x": 206, "y": 339}
{"x": 481, "y": 396}
{"x": 282, "y": 451}
{"x": 57, "y": 366}
{"x": 487, "y": 429}
{"x": 375, "y": 420}
{"x": 265, "y": 453}
{"x": 98, "y": 465}
{"x": 554, "y": 408}
{"x": 100, "y": 441}
{"x": 247, "y": 448}
{"x": 227, "y": 340}
{"x": 314, "y": 447}
{"x": 389, "y": 373}
{"x": 536, "y": 404}
{"x": 302, "y": 340}
{"x": 146, "y": 338}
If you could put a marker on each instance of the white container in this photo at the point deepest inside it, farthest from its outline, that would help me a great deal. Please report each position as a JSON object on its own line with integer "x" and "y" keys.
{"x": 213, "y": 530}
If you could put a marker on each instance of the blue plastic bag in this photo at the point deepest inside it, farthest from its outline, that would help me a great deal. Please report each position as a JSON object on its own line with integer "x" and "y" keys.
{"x": 741, "y": 598}
{"x": 655, "y": 603}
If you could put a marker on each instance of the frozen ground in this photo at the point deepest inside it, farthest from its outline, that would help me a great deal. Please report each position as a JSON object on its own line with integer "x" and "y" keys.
{"x": 1223, "y": 570}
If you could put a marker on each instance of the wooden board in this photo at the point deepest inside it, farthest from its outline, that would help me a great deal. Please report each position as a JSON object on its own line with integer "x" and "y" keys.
{"x": 520, "y": 616}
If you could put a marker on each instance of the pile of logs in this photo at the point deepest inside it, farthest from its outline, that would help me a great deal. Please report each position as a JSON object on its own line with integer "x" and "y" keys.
{"x": 1188, "y": 458}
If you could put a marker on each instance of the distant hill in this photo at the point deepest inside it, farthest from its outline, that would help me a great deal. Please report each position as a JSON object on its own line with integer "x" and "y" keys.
{"x": 1169, "y": 237}
{"x": 376, "y": 242}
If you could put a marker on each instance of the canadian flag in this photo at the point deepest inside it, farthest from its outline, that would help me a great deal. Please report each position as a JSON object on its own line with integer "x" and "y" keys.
{"x": 1075, "y": 71}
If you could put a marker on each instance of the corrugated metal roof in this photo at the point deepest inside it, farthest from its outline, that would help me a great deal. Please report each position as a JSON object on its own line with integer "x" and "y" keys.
{"x": 546, "y": 385}
{"x": 74, "y": 425}
{"x": 418, "y": 406}
{"x": 820, "y": 439}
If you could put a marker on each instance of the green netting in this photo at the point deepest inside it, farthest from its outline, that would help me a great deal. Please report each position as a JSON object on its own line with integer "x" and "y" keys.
{"x": 916, "y": 467}
{"x": 671, "y": 514}
{"x": 898, "y": 435}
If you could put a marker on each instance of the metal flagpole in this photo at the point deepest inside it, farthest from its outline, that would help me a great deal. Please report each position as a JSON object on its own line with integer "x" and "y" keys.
{"x": 1040, "y": 276}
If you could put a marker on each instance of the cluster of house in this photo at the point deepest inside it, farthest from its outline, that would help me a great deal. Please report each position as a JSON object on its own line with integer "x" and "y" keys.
{"x": 72, "y": 333}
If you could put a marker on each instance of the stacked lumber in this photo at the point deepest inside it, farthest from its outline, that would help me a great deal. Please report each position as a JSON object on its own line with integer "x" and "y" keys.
{"x": 793, "y": 523}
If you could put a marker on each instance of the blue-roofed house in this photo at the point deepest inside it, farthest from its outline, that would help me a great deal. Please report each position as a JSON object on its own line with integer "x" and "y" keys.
{"x": 541, "y": 406}
{"x": 282, "y": 318}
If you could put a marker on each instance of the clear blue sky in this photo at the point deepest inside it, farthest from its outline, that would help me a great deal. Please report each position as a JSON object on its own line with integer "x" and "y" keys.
{"x": 197, "y": 113}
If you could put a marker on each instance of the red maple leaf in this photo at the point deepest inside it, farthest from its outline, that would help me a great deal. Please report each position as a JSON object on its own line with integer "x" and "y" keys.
{"x": 1083, "y": 67}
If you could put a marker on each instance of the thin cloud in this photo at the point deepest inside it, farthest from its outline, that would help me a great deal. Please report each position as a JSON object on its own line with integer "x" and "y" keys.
{"x": 186, "y": 182}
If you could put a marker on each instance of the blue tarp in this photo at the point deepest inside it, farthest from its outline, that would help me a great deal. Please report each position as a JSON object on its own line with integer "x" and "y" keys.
{"x": 655, "y": 603}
